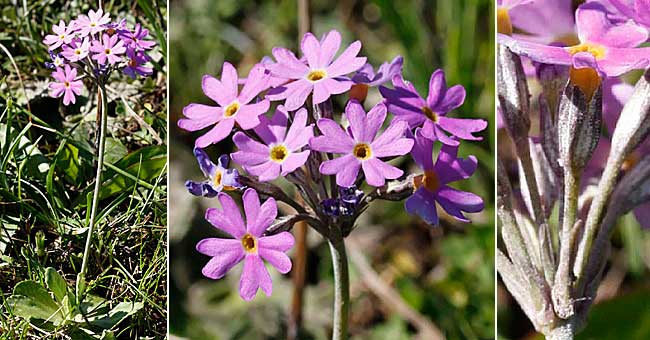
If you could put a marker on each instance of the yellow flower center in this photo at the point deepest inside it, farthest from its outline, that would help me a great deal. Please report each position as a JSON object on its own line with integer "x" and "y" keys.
{"x": 67, "y": 84}
{"x": 133, "y": 63}
{"x": 596, "y": 50}
{"x": 362, "y": 151}
{"x": 231, "y": 109}
{"x": 249, "y": 243}
{"x": 218, "y": 177}
{"x": 587, "y": 79}
{"x": 504, "y": 25}
{"x": 62, "y": 36}
{"x": 107, "y": 51}
{"x": 316, "y": 75}
{"x": 77, "y": 52}
{"x": 429, "y": 180}
{"x": 430, "y": 114}
{"x": 92, "y": 24}
{"x": 279, "y": 153}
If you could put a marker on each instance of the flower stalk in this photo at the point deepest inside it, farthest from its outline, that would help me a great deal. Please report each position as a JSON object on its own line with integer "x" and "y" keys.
{"x": 102, "y": 116}
{"x": 341, "y": 288}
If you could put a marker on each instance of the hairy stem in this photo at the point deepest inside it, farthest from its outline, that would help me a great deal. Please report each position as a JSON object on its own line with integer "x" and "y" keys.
{"x": 341, "y": 288}
{"x": 102, "y": 116}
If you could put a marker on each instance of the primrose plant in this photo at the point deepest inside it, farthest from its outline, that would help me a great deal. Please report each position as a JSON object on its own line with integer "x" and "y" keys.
{"x": 329, "y": 160}
{"x": 590, "y": 157}
{"x": 90, "y": 49}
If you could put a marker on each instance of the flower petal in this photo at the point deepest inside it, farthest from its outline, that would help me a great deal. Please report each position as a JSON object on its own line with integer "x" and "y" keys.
{"x": 277, "y": 259}
{"x": 347, "y": 62}
{"x": 423, "y": 204}
{"x": 299, "y": 134}
{"x": 455, "y": 202}
{"x": 254, "y": 276}
{"x": 226, "y": 253}
{"x": 294, "y": 161}
{"x": 216, "y": 134}
{"x": 377, "y": 172}
{"x": 462, "y": 128}
{"x": 199, "y": 116}
{"x": 280, "y": 242}
{"x": 329, "y": 45}
{"x": 264, "y": 217}
{"x": 346, "y": 169}
{"x": 334, "y": 139}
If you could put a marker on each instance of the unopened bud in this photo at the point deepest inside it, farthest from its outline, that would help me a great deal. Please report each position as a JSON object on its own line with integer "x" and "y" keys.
{"x": 513, "y": 94}
{"x": 579, "y": 125}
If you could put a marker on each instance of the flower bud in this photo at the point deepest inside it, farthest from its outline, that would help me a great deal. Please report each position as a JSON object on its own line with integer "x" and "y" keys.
{"x": 513, "y": 94}
{"x": 579, "y": 124}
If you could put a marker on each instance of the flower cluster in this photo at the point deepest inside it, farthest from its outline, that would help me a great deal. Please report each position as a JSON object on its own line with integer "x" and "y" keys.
{"x": 329, "y": 160}
{"x": 93, "y": 46}
{"x": 590, "y": 158}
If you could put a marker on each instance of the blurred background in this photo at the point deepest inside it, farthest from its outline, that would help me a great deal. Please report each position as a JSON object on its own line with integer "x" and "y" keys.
{"x": 445, "y": 275}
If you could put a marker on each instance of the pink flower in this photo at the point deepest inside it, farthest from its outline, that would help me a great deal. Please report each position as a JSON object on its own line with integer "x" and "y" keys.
{"x": 66, "y": 84}
{"x": 248, "y": 245}
{"x": 93, "y": 23}
{"x": 108, "y": 49}
{"x": 77, "y": 50}
{"x": 234, "y": 106}
{"x": 362, "y": 149}
{"x": 280, "y": 154}
{"x": 321, "y": 75}
{"x": 62, "y": 35}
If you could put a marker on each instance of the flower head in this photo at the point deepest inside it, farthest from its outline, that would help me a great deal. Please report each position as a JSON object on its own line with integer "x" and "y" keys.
{"x": 321, "y": 74}
{"x": 362, "y": 148}
{"x": 65, "y": 84}
{"x": 280, "y": 153}
{"x": 136, "y": 39}
{"x": 220, "y": 178}
{"x": 407, "y": 105}
{"x": 637, "y": 10}
{"x": 609, "y": 49}
{"x": 108, "y": 50}
{"x": 92, "y": 23}
{"x": 62, "y": 35}
{"x": 432, "y": 187}
{"x": 77, "y": 50}
{"x": 248, "y": 244}
{"x": 135, "y": 65}
{"x": 234, "y": 106}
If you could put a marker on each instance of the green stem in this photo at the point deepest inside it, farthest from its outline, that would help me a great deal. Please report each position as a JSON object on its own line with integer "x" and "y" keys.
{"x": 102, "y": 116}
{"x": 341, "y": 289}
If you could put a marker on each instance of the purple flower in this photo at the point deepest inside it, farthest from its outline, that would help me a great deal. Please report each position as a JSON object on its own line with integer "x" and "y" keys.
{"x": 234, "y": 106}
{"x": 220, "y": 178}
{"x": 360, "y": 148}
{"x": 65, "y": 84}
{"x": 280, "y": 154}
{"x": 544, "y": 21}
{"x": 77, "y": 50}
{"x": 91, "y": 24}
{"x": 249, "y": 245}
{"x": 57, "y": 60}
{"x": 320, "y": 75}
{"x": 345, "y": 205}
{"x": 407, "y": 105}
{"x": 366, "y": 77}
{"x": 62, "y": 35}
{"x": 604, "y": 47}
{"x": 135, "y": 39}
{"x": 637, "y": 10}
{"x": 108, "y": 50}
{"x": 135, "y": 64}
{"x": 432, "y": 186}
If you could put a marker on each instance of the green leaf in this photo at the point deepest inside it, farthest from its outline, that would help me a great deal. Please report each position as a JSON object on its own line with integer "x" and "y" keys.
{"x": 32, "y": 301}
{"x": 56, "y": 284}
{"x": 117, "y": 314}
{"x": 624, "y": 317}
{"x": 115, "y": 150}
